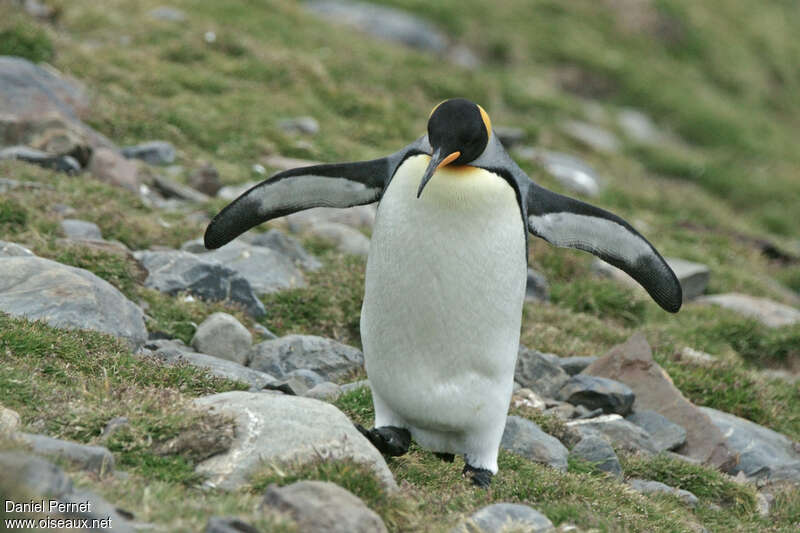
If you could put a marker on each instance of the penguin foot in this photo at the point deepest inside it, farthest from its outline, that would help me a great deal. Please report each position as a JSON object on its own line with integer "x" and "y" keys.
{"x": 389, "y": 440}
{"x": 446, "y": 457}
{"x": 480, "y": 476}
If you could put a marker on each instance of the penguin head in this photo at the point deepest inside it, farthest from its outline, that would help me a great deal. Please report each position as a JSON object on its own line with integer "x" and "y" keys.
{"x": 458, "y": 131}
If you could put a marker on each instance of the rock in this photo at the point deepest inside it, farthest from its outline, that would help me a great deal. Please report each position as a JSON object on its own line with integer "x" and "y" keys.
{"x": 80, "y": 229}
{"x": 172, "y": 352}
{"x": 525, "y": 438}
{"x": 100, "y": 510}
{"x": 768, "y": 312}
{"x": 266, "y": 270}
{"x": 355, "y": 217}
{"x": 206, "y": 180}
{"x": 638, "y": 127}
{"x": 571, "y": 172}
{"x": 264, "y": 332}
{"x": 152, "y": 152}
{"x": 656, "y": 487}
{"x": 303, "y": 125}
{"x": 228, "y": 524}
{"x": 67, "y": 297}
{"x": 524, "y": 397}
{"x": 288, "y": 246}
{"x": 576, "y": 365}
{"x": 110, "y": 167}
{"x": 114, "y": 425}
{"x": 34, "y": 476}
{"x": 762, "y": 451}
{"x": 172, "y": 189}
{"x": 280, "y": 429}
{"x": 221, "y": 335}
{"x": 326, "y": 357}
{"x": 693, "y": 277}
{"x": 665, "y": 434}
{"x": 95, "y": 459}
{"x": 39, "y": 10}
{"x": 167, "y": 13}
{"x": 463, "y": 57}
{"x": 322, "y": 507}
{"x": 632, "y": 363}
{"x": 12, "y": 249}
{"x": 501, "y": 517}
{"x": 596, "y": 450}
{"x": 9, "y": 421}
{"x": 593, "y": 392}
{"x": 324, "y": 391}
{"x": 346, "y": 239}
{"x": 538, "y": 372}
{"x": 297, "y": 382}
{"x": 696, "y": 356}
{"x": 174, "y": 271}
{"x": 383, "y": 22}
{"x": 509, "y": 136}
{"x": 596, "y": 138}
{"x": 537, "y": 288}
{"x": 57, "y": 162}
{"x": 308, "y": 377}
{"x": 347, "y": 387}
{"x": 616, "y": 430}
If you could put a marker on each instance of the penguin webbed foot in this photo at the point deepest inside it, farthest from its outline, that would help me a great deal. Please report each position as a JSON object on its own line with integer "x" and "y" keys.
{"x": 480, "y": 477}
{"x": 389, "y": 440}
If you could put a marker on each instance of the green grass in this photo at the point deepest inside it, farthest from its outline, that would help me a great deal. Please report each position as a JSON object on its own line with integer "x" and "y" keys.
{"x": 20, "y": 37}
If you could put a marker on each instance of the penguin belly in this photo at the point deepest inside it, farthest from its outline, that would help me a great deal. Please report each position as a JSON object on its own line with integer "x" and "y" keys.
{"x": 440, "y": 324}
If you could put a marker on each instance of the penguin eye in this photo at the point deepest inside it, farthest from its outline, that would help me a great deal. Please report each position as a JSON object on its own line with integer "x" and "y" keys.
{"x": 486, "y": 120}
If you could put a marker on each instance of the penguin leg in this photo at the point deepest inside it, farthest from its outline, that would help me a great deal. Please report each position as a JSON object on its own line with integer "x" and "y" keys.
{"x": 480, "y": 477}
{"x": 389, "y": 440}
{"x": 446, "y": 457}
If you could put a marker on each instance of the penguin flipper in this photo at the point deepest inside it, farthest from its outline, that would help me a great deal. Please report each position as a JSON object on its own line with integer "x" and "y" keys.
{"x": 327, "y": 185}
{"x": 566, "y": 222}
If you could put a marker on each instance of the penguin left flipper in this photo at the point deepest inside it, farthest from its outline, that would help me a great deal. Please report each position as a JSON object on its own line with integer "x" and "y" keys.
{"x": 327, "y": 185}
{"x": 566, "y": 222}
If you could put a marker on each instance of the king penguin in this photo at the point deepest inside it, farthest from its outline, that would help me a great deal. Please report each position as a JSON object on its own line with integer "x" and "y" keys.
{"x": 446, "y": 273}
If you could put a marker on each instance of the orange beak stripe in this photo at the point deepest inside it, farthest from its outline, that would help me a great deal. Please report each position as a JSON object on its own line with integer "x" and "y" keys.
{"x": 449, "y": 159}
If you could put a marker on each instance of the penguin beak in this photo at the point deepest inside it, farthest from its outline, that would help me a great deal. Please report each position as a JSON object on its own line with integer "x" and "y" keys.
{"x": 439, "y": 158}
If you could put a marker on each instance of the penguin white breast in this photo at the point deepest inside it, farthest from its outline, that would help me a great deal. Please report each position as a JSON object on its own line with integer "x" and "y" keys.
{"x": 445, "y": 283}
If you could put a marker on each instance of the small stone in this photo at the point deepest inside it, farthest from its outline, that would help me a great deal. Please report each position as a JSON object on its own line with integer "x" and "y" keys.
{"x": 152, "y": 153}
{"x": 576, "y": 365}
{"x": 666, "y": 435}
{"x": 228, "y": 524}
{"x": 768, "y": 312}
{"x": 328, "y": 358}
{"x": 59, "y": 163}
{"x": 288, "y": 246}
{"x": 594, "y": 137}
{"x": 112, "y": 168}
{"x": 221, "y": 335}
{"x": 764, "y": 501}
{"x": 593, "y": 392}
{"x": 572, "y": 172}
{"x": 509, "y": 136}
{"x": 9, "y": 421}
{"x": 194, "y": 246}
{"x": 206, "y": 180}
{"x": 524, "y": 437}
{"x": 323, "y": 507}
{"x": 266, "y": 270}
{"x": 346, "y": 239}
{"x": 537, "y": 288}
{"x": 501, "y": 517}
{"x": 696, "y": 356}
{"x": 172, "y": 189}
{"x": 114, "y": 425}
{"x": 525, "y": 397}
{"x": 539, "y": 372}
{"x": 617, "y": 431}
{"x": 167, "y": 13}
{"x": 264, "y": 332}
{"x": 12, "y": 249}
{"x": 80, "y": 229}
{"x": 347, "y": 387}
{"x": 638, "y": 127}
{"x": 303, "y": 125}
{"x": 656, "y": 487}
{"x": 95, "y": 459}
{"x": 324, "y": 391}
{"x": 596, "y": 450}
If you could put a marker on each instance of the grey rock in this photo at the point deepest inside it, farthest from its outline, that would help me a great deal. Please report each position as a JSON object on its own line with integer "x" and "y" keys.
{"x": 656, "y": 487}
{"x": 347, "y": 387}
{"x": 114, "y": 425}
{"x": 288, "y": 246}
{"x": 172, "y": 352}
{"x": 282, "y": 429}
{"x": 696, "y": 356}
{"x": 617, "y": 431}
{"x": 12, "y": 249}
{"x": 323, "y": 507}
{"x": 194, "y": 246}
{"x": 463, "y": 57}
{"x": 206, "y": 180}
{"x": 174, "y": 271}
{"x": 763, "y": 453}
{"x": 152, "y": 152}
{"x": 570, "y": 171}
{"x": 598, "y": 451}
{"x": 666, "y": 435}
{"x": 99, "y": 509}
{"x": 593, "y": 392}
{"x": 693, "y": 277}
{"x": 594, "y": 137}
{"x": 324, "y": 391}
{"x": 37, "y": 9}
{"x": 328, "y": 358}
{"x": 509, "y": 136}
{"x": 95, "y": 459}
{"x": 264, "y": 332}
{"x": 525, "y": 438}
{"x": 357, "y": 216}
{"x": 57, "y": 162}
{"x": 167, "y": 13}
{"x": 582, "y": 413}
{"x": 638, "y": 127}
{"x": 111, "y": 167}
{"x": 169, "y": 188}
{"x": 304, "y": 125}
{"x": 537, "y": 288}
{"x": 266, "y": 270}
{"x": 308, "y": 377}
{"x": 768, "y": 312}
{"x": 34, "y": 476}
{"x": 383, "y": 22}
{"x": 80, "y": 229}
{"x": 346, "y": 239}
{"x": 575, "y": 365}
{"x": 539, "y": 372}
{"x": 764, "y": 501}
{"x": 228, "y": 524}
{"x": 221, "y": 335}
{"x": 500, "y": 517}
{"x": 9, "y": 421}
{"x": 67, "y": 297}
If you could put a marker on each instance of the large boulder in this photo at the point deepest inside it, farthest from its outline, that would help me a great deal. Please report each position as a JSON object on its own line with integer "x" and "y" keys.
{"x": 328, "y": 358}
{"x": 67, "y": 297}
{"x": 284, "y": 429}
{"x": 632, "y": 363}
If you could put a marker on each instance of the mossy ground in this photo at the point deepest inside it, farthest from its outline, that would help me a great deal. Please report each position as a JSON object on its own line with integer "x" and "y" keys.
{"x": 725, "y": 177}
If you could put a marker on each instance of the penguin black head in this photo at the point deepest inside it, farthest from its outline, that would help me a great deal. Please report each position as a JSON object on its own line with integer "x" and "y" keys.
{"x": 458, "y": 131}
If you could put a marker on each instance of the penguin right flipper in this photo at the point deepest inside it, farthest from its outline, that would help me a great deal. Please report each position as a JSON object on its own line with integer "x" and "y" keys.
{"x": 564, "y": 221}
{"x": 327, "y": 185}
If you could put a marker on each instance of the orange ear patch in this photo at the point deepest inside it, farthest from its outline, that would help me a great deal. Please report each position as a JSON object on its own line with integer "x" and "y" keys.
{"x": 486, "y": 121}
